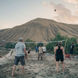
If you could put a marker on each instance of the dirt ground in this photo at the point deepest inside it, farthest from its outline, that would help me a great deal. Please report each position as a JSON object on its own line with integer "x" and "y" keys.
{"x": 41, "y": 69}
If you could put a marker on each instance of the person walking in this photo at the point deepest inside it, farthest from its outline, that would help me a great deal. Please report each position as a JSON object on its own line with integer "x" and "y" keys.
{"x": 20, "y": 49}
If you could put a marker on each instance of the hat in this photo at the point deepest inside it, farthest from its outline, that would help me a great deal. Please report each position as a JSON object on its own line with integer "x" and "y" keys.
{"x": 20, "y": 39}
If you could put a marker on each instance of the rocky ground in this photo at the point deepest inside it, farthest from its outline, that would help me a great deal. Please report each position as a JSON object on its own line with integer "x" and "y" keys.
{"x": 41, "y": 69}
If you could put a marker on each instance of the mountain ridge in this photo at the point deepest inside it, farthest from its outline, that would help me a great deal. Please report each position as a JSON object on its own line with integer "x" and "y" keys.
{"x": 39, "y": 29}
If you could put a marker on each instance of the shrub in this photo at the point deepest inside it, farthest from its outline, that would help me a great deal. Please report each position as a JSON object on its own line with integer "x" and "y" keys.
{"x": 66, "y": 44}
{"x": 10, "y": 45}
{"x": 30, "y": 45}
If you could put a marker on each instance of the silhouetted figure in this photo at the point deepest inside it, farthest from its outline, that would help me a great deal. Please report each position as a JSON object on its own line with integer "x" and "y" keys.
{"x": 36, "y": 49}
{"x": 71, "y": 50}
{"x": 59, "y": 55}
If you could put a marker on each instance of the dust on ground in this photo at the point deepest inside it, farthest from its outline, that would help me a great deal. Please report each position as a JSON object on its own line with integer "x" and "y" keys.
{"x": 41, "y": 69}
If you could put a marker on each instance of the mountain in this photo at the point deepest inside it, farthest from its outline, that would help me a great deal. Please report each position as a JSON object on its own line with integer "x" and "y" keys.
{"x": 39, "y": 29}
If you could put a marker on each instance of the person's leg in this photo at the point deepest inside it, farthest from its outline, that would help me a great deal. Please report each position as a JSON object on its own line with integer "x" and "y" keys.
{"x": 71, "y": 54}
{"x": 22, "y": 60}
{"x": 41, "y": 56}
{"x": 63, "y": 66}
{"x": 44, "y": 55}
{"x": 22, "y": 68}
{"x": 13, "y": 70}
{"x": 57, "y": 66}
{"x": 57, "y": 63}
{"x": 16, "y": 61}
{"x": 38, "y": 56}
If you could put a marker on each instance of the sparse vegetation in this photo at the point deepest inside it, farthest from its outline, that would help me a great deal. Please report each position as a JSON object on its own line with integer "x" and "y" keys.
{"x": 40, "y": 44}
{"x": 50, "y": 46}
{"x": 30, "y": 45}
{"x": 10, "y": 45}
{"x": 66, "y": 44}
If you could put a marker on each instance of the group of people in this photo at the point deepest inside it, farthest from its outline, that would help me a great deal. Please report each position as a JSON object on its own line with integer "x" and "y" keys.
{"x": 21, "y": 54}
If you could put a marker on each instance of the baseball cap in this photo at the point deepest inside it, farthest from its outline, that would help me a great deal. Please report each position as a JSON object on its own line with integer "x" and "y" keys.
{"x": 20, "y": 39}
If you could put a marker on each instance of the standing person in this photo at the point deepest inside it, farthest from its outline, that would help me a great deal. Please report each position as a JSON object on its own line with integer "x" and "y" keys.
{"x": 44, "y": 49}
{"x": 40, "y": 53}
{"x": 20, "y": 49}
{"x": 36, "y": 49}
{"x": 59, "y": 56}
{"x": 71, "y": 50}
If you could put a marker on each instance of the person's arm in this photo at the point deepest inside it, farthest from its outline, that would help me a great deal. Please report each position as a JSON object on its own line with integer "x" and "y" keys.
{"x": 63, "y": 52}
{"x": 26, "y": 55}
{"x": 54, "y": 52}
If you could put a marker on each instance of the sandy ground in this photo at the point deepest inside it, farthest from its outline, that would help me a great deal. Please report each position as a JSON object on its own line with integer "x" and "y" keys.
{"x": 41, "y": 69}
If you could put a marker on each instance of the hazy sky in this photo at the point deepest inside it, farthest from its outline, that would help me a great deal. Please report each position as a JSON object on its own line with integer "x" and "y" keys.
{"x": 16, "y": 12}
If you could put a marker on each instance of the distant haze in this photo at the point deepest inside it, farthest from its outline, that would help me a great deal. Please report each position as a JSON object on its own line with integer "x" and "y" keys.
{"x": 17, "y": 12}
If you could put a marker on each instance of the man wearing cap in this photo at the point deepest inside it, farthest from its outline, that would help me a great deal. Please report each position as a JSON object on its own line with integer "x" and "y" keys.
{"x": 20, "y": 49}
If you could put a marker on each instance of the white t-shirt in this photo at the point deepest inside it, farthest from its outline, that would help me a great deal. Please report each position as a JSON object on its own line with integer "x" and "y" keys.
{"x": 19, "y": 48}
{"x": 44, "y": 49}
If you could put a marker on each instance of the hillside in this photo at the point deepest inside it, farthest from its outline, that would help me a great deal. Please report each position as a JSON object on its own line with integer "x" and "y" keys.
{"x": 39, "y": 30}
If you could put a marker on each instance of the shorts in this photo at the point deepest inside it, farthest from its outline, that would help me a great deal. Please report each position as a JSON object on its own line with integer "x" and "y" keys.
{"x": 19, "y": 59}
{"x": 40, "y": 54}
{"x": 60, "y": 59}
{"x": 71, "y": 52}
{"x": 44, "y": 51}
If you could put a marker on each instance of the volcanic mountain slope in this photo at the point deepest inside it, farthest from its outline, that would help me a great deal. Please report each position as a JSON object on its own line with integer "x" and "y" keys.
{"x": 39, "y": 30}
